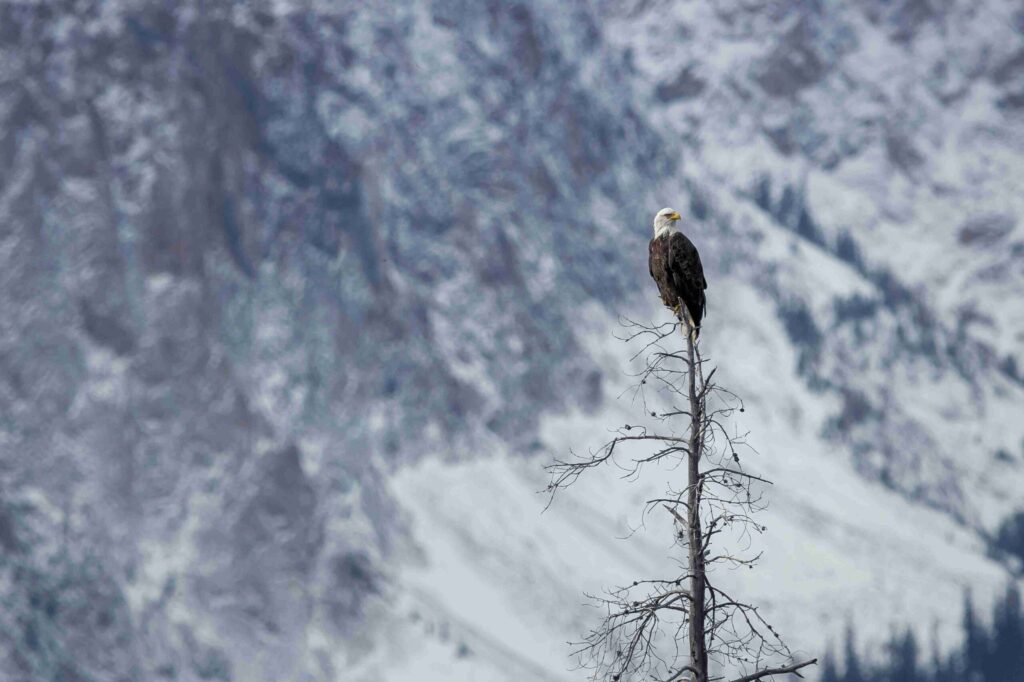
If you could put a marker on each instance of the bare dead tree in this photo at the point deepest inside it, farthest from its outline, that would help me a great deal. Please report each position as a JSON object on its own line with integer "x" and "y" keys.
{"x": 646, "y": 624}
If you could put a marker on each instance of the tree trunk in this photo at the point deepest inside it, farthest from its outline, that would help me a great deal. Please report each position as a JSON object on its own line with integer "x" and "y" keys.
{"x": 698, "y": 642}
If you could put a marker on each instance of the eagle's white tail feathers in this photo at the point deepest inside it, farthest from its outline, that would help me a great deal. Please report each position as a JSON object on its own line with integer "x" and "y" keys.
{"x": 687, "y": 320}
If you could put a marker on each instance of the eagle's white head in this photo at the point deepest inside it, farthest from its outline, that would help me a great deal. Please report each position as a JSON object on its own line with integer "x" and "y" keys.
{"x": 665, "y": 222}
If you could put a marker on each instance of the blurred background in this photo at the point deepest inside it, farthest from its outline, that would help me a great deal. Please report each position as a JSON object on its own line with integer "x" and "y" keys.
{"x": 299, "y": 296}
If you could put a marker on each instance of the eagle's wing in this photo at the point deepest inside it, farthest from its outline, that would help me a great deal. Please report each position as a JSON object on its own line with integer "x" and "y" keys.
{"x": 687, "y": 274}
{"x": 657, "y": 262}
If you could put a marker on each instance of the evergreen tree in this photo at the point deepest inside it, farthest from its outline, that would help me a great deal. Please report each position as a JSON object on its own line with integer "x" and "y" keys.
{"x": 903, "y": 659}
{"x": 853, "y": 671}
{"x": 1006, "y": 663}
{"x": 983, "y": 655}
{"x": 975, "y": 652}
{"x": 829, "y": 673}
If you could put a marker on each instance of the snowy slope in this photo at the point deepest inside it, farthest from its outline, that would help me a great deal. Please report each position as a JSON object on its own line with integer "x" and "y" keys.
{"x": 499, "y": 572}
{"x": 299, "y": 297}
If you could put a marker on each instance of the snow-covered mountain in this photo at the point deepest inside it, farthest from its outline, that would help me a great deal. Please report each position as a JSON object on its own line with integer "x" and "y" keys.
{"x": 299, "y": 297}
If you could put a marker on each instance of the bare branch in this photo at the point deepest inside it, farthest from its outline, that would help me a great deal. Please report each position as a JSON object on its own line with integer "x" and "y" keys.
{"x": 674, "y": 626}
{"x": 768, "y": 672}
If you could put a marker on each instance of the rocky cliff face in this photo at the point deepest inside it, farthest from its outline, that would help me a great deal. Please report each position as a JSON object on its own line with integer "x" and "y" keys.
{"x": 256, "y": 258}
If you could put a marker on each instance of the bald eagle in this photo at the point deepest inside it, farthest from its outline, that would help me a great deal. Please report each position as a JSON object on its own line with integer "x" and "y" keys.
{"x": 675, "y": 266}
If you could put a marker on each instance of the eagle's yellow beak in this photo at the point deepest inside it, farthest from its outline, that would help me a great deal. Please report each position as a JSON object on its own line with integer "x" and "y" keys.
{"x": 674, "y": 216}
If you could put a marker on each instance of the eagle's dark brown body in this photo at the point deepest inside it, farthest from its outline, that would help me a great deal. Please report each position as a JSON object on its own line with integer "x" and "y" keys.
{"x": 675, "y": 266}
